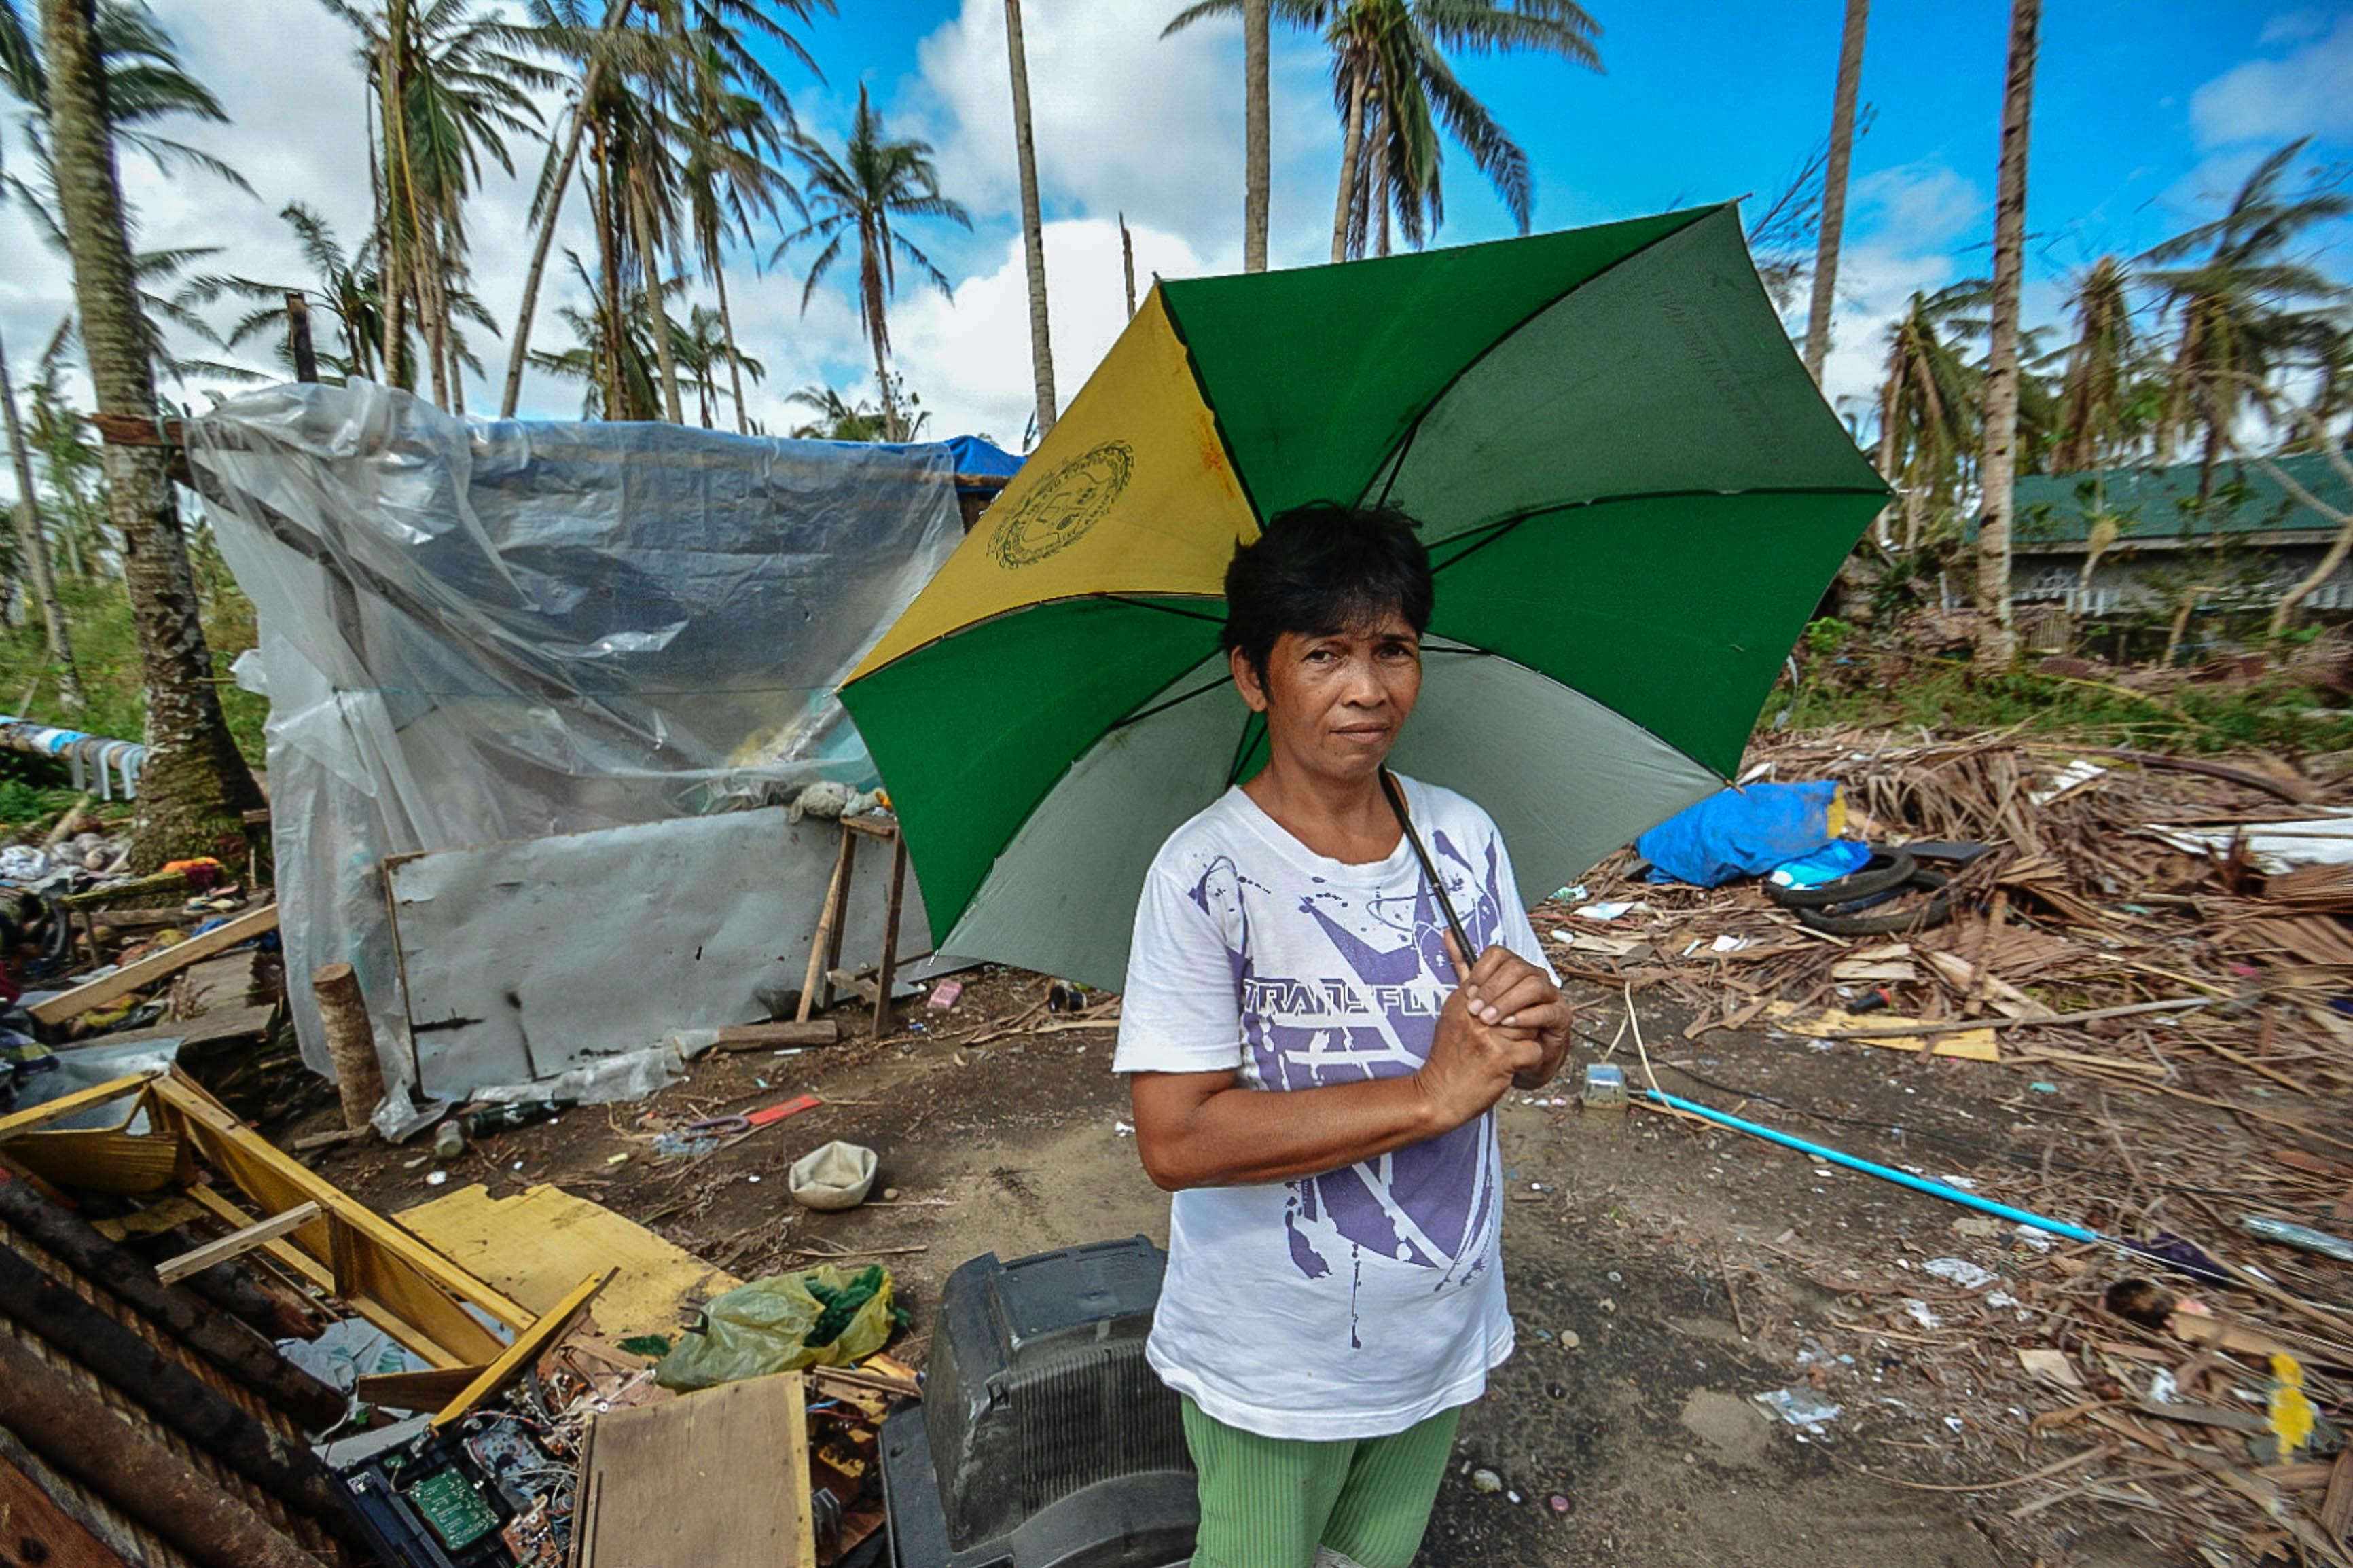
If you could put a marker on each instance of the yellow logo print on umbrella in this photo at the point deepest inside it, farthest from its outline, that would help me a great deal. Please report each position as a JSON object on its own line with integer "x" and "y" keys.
{"x": 1072, "y": 499}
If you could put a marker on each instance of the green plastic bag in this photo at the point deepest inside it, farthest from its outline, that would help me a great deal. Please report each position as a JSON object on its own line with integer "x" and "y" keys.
{"x": 820, "y": 1317}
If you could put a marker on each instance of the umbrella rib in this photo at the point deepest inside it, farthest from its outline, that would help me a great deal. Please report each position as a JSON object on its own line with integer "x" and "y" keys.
{"x": 1503, "y": 525}
{"x": 1241, "y": 749}
{"x": 1164, "y": 609}
{"x": 1157, "y": 707}
{"x": 1696, "y": 217}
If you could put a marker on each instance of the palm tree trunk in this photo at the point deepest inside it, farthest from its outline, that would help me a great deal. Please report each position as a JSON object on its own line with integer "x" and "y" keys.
{"x": 649, "y": 263}
{"x": 1033, "y": 233}
{"x": 1998, "y": 467}
{"x": 1352, "y": 146}
{"x": 541, "y": 243}
{"x": 426, "y": 261}
{"x": 590, "y": 81}
{"x": 1256, "y": 154}
{"x": 1886, "y": 462}
{"x": 1381, "y": 206}
{"x": 1826, "y": 245}
{"x": 1127, "y": 263}
{"x": 35, "y": 548}
{"x": 2339, "y": 549}
{"x": 734, "y": 360}
{"x": 608, "y": 265}
{"x": 194, "y": 786}
{"x": 396, "y": 160}
{"x": 890, "y": 431}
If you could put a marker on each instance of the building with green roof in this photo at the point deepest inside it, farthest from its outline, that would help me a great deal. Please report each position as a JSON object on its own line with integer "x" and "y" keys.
{"x": 2119, "y": 541}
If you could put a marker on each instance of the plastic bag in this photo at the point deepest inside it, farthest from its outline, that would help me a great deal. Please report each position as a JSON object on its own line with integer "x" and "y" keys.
{"x": 835, "y": 1175}
{"x": 820, "y": 1317}
{"x": 1743, "y": 832}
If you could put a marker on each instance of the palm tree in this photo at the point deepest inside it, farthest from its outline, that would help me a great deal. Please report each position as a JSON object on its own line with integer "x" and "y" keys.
{"x": 1257, "y": 141}
{"x": 1998, "y": 468}
{"x": 1928, "y": 407}
{"x": 722, "y": 68}
{"x": 610, "y": 357}
{"x": 349, "y": 286}
{"x": 447, "y": 86}
{"x": 195, "y": 787}
{"x": 1393, "y": 87}
{"x": 1033, "y": 233}
{"x": 32, "y": 544}
{"x": 731, "y": 138}
{"x": 2094, "y": 414}
{"x": 701, "y": 350}
{"x": 856, "y": 196}
{"x": 2244, "y": 306}
{"x": 20, "y": 68}
{"x": 838, "y": 419}
{"x": 1834, "y": 224}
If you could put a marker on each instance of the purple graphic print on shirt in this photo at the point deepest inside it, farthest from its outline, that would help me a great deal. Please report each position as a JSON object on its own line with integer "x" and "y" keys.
{"x": 1371, "y": 1014}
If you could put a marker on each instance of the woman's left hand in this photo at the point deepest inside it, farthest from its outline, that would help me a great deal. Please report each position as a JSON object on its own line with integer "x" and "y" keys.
{"x": 1506, "y": 991}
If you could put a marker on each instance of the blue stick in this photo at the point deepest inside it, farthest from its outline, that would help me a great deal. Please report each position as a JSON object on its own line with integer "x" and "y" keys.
{"x": 1934, "y": 1189}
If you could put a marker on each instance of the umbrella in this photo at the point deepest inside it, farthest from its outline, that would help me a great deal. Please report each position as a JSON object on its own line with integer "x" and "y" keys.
{"x": 1633, "y": 494}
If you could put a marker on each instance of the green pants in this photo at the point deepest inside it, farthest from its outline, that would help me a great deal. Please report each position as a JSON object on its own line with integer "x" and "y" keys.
{"x": 1269, "y": 1502}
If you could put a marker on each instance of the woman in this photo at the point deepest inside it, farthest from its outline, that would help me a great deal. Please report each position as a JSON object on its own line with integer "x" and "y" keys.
{"x": 1313, "y": 1065}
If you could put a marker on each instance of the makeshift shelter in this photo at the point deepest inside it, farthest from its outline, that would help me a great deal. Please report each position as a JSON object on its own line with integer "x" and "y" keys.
{"x": 477, "y": 637}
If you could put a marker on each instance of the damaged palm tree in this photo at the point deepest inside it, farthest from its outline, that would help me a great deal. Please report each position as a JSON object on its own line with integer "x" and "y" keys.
{"x": 195, "y": 788}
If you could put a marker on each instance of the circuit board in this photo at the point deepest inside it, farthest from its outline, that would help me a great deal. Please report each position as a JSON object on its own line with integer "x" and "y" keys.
{"x": 451, "y": 1506}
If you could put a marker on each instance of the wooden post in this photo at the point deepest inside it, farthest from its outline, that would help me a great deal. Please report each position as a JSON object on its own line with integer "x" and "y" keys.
{"x": 825, "y": 948}
{"x": 886, "y": 972}
{"x": 298, "y": 333}
{"x": 351, "y": 1042}
{"x": 65, "y": 1423}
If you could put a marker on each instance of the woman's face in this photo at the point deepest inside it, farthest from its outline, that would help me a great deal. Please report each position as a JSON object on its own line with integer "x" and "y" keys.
{"x": 1334, "y": 702}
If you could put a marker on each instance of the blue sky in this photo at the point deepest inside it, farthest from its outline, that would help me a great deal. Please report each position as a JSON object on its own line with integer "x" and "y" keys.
{"x": 2146, "y": 115}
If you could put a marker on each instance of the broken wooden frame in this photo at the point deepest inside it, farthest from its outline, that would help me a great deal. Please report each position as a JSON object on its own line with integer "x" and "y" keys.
{"x": 172, "y": 1133}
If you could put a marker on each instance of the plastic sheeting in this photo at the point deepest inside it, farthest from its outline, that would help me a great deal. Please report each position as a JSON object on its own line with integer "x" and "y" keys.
{"x": 476, "y": 631}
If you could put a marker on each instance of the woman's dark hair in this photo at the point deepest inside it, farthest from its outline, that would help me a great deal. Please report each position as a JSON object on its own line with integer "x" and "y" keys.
{"x": 1325, "y": 568}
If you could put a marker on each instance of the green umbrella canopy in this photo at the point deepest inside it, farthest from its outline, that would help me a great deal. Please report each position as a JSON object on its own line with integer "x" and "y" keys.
{"x": 1633, "y": 494}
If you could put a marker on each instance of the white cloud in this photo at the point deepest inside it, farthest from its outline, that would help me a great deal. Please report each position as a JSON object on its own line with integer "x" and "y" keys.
{"x": 969, "y": 357}
{"x": 2302, "y": 93}
{"x": 1906, "y": 229}
{"x": 2293, "y": 27}
{"x": 1125, "y": 120}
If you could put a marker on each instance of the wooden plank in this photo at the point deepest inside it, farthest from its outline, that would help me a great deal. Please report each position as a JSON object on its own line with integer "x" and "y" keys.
{"x": 308, "y": 1269}
{"x": 105, "y": 1160}
{"x": 528, "y": 1347}
{"x": 209, "y": 1027}
{"x": 887, "y": 970}
{"x": 254, "y": 1163}
{"x": 34, "y": 1531}
{"x": 757, "y": 1036}
{"x": 156, "y": 966}
{"x": 73, "y": 1104}
{"x": 745, "y": 1443}
{"x": 237, "y": 1244}
{"x": 823, "y": 949}
{"x": 417, "y": 1390}
{"x": 536, "y": 1246}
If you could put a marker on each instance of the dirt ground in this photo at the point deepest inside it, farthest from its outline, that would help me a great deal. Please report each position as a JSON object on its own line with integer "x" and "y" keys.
{"x": 1661, "y": 1274}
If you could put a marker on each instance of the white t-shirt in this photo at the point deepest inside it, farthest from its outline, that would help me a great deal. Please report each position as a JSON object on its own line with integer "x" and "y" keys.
{"x": 1358, "y": 1302}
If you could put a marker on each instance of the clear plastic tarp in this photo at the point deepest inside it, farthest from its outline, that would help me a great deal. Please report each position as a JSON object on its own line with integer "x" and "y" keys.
{"x": 476, "y": 631}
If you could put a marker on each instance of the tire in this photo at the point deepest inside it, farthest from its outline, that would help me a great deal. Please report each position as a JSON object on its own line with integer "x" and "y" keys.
{"x": 1935, "y": 912}
{"x": 1885, "y": 872}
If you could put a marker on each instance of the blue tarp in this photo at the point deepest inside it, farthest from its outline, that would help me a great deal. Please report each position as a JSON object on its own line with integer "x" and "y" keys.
{"x": 975, "y": 455}
{"x": 1739, "y": 833}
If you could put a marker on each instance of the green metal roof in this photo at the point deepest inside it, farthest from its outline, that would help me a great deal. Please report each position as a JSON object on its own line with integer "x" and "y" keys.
{"x": 2162, "y": 503}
